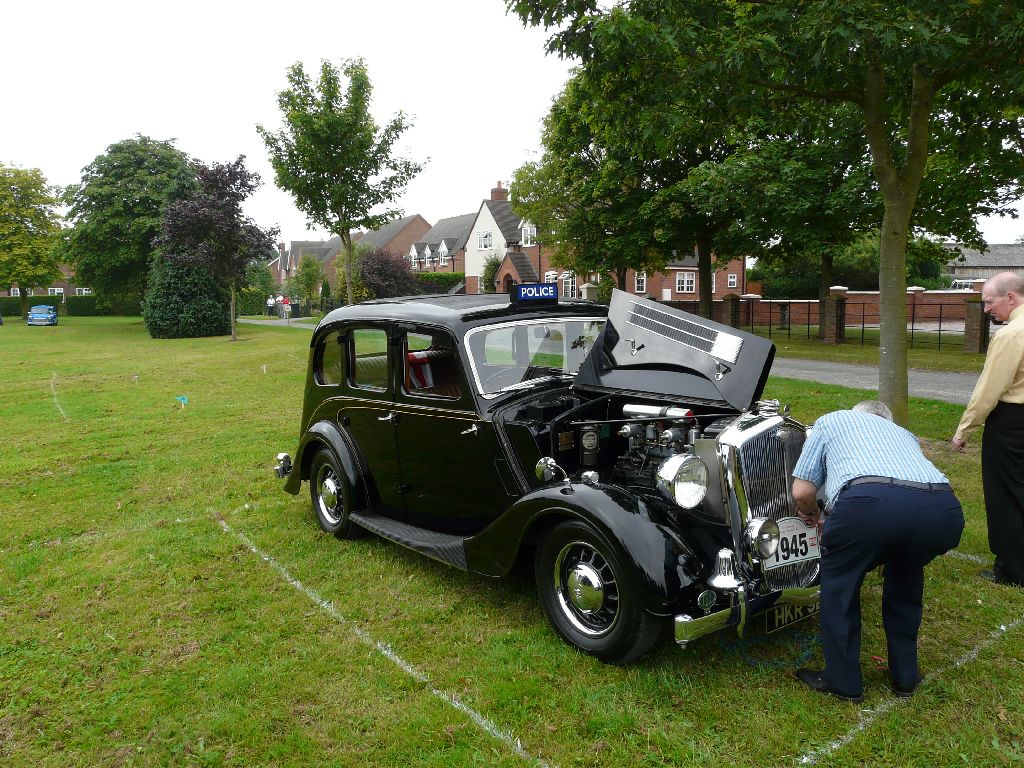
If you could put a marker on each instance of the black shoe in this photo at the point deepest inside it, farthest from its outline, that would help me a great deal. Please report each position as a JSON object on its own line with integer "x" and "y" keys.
{"x": 904, "y": 692}
{"x": 813, "y": 679}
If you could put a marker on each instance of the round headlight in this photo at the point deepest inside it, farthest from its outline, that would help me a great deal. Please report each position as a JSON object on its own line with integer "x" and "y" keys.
{"x": 684, "y": 480}
{"x": 762, "y": 537}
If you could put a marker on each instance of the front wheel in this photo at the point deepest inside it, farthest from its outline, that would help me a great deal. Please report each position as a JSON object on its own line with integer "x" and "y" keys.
{"x": 329, "y": 492}
{"x": 589, "y": 595}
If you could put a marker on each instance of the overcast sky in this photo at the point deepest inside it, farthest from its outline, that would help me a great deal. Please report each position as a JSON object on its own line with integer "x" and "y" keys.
{"x": 79, "y": 76}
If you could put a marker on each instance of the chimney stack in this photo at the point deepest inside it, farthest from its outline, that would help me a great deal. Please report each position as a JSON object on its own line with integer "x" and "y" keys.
{"x": 498, "y": 193}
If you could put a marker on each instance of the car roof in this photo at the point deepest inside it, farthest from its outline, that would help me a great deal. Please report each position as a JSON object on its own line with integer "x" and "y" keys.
{"x": 457, "y": 311}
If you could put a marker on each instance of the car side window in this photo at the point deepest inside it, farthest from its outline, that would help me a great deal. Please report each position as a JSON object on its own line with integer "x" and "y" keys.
{"x": 328, "y": 359}
{"x": 369, "y": 355}
{"x": 431, "y": 367}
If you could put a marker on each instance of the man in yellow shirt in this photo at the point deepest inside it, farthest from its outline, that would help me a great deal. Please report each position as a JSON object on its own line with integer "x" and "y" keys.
{"x": 998, "y": 403}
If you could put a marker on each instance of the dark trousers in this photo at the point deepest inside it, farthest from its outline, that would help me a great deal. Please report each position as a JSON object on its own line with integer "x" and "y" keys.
{"x": 871, "y": 525}
{"x": 1002, "y": 474}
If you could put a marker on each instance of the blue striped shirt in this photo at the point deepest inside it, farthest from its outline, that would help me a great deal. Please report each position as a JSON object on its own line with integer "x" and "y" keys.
{"x": 844, "y": 445}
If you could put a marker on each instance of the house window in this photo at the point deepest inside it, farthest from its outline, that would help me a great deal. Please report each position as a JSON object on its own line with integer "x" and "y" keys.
{"x": 83, "y": 291}
{"x": 484, "y": 241}
{"x": 529, "y": 234}
{"x": 733, "y": 280}
{"x": 713, "y": 282}
{"x": 640, "y": 284}
{"x": 685, "y": 282}
{"x": 443, "y": 254}
{"x": 15, "y": 291}
{"x": 414, "y": 260}
{"x": 551, "y": 276}
{"x": 56, "y": 291}
{"x": 569, "y": 285}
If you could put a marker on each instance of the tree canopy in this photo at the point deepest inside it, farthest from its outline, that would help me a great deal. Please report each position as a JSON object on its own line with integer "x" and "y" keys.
{"x": 205, "y": 226}
{"x": 28, "y": 229}
{"x": 309, "y": 276}
{"x": 936, "y": 87}
{"x": 116, "y": 210}
{"x": 339, "y": 166}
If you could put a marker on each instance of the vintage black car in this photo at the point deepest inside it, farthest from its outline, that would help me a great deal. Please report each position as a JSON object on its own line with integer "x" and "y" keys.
{"x": 622, "y": 448}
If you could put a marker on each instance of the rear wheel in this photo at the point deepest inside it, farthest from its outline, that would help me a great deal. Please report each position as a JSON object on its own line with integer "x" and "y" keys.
{"x": 589, "y": 595}
{"x": 329, "y": 492}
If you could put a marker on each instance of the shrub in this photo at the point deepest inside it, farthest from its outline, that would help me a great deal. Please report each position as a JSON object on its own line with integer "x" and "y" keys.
{"x": 491, "y": 266}
{"x": 251, "y": 301}
{"x": 185, "y": 302}
{"x": 438, "y": 282}
{"x": 386, "y": 275}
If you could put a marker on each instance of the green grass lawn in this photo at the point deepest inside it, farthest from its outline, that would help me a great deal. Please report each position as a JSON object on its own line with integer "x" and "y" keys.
{"x": 139, "y": 628}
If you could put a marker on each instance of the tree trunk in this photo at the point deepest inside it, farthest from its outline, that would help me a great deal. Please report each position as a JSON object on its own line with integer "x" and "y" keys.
{"x": 24, "y": 305}
{"x": 899, "y": 187}
{"x": 892, "y": 311}
{"x": 234, "y": 330}
{"x": 704, "y": 278}
{"x": 620, "y": 278}
{"x": 349, "y": 257}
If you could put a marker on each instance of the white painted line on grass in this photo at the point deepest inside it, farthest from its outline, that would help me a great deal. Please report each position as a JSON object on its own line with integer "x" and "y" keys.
{"x": 385, "y": 650}
{"x": 967, "y": 556}
{"x": 868, "y": 716}
{"x": 53, "y": 391}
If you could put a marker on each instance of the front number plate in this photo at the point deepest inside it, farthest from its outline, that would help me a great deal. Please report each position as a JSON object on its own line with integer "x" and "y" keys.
{"x": 797, "y": 542}
{"x": 780, "y": 616}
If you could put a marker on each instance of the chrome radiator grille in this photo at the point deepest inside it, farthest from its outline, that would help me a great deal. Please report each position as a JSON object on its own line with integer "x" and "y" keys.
{"x": 766, "y": 470}
{"x": 766, "y": 464}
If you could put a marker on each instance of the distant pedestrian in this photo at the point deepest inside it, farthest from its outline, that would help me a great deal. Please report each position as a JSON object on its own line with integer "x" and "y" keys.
{"x": 286, "y": 308}
{"x": 889, "y": 505}
{"x": 998, "y": 403}
{"x": 270, "y": 306}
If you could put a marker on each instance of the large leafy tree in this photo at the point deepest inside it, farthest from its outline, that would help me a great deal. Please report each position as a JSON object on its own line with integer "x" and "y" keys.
{"x": 206, "y": 227}
{"x": 387, "y": 274}
{"x": 116, "y": 210}
{"x": 28, "y": 231}
{"x": 913, "y": 72}
{"x": 613, "y": 190}
{"x": 333, "y": 158}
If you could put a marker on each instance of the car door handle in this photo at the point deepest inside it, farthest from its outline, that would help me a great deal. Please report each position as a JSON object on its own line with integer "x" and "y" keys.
{"x": 391, "y": 418}
{"x": 473, "y": 429}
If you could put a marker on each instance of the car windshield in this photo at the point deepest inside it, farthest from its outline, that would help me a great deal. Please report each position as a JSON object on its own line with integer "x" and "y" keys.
{"x": 42, "y": 310}
{"x": 513, "y": 355}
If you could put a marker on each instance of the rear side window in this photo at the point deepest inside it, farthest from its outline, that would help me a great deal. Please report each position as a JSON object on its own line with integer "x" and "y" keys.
{"x": 431, "y": 367}
{"x": 369, "y": 359}
{"x": 328, "y": 359}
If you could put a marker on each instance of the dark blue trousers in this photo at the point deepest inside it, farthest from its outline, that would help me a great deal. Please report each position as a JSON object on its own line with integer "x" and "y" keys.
{"x": 878, "y": 524}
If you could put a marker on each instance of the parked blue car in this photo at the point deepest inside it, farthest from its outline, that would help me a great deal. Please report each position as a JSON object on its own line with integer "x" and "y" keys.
{"x": 44, "y": 314}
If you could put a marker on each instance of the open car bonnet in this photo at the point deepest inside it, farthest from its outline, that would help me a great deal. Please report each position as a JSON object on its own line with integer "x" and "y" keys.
{"x": 651, "y": 348}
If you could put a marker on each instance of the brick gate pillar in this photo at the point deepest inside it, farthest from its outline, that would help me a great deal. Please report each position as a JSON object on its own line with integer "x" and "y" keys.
{"x": 731, "y": 310}
{"x": 832, "y": 316}
{"x": 975, "y": 325}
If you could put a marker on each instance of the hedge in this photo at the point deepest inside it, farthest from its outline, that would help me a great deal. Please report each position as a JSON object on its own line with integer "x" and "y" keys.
{"x": 81, "y": 306}
{"x": 10, "y": 306}
{"x": 439, "y": 282}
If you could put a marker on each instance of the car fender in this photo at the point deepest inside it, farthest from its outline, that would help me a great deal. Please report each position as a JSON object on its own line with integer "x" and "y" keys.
{"x": 663, "y": 563}
{"x": 326, "y": 434}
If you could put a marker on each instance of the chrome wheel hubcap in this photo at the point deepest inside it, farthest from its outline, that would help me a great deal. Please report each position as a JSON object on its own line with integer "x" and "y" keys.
{"x": 328, "y": 493}
{"x": 586, "y": 589}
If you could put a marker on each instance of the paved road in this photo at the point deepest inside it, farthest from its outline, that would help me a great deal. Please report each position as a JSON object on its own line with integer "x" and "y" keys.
{"x": 932, "y": 385}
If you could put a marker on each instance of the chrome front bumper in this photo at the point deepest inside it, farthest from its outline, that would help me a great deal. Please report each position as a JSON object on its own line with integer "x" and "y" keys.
{"x": 688, "y": 628}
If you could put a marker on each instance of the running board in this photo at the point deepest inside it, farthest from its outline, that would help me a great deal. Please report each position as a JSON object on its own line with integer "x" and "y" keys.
{"x": 446, "y": 547}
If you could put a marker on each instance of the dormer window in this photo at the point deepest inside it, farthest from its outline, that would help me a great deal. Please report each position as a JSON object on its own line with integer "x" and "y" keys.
{"x": 442, "y": 253}
{"x": 484, "y": 241}
{"x": 529, "y": 234}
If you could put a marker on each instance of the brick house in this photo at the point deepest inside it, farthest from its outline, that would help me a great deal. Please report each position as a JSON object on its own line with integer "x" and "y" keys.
{"x": 678, "y": 282}
{"x": 65, "y": 285}
{"x": 443, "y": 247}
{"x": 395, "y": 237}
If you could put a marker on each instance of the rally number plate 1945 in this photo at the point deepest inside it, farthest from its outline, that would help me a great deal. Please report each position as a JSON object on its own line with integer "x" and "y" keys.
{"x": 797, "y": 541}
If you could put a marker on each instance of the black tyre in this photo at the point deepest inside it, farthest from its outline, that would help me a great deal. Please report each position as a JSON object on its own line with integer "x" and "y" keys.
{"x": 329, "y": 492}
{"x": 590, "y": 595}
